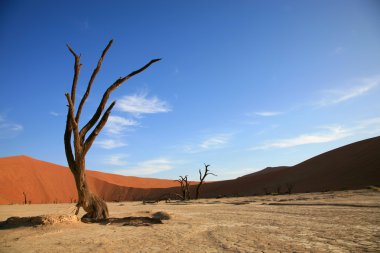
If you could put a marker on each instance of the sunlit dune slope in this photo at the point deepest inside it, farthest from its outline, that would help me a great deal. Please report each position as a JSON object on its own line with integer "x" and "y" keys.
{"x": 44, "y": 182}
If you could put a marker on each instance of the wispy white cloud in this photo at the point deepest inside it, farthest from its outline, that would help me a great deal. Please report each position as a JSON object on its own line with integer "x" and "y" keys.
{"x": 367, "y": 126}
{"x": 55, "y": 114}
{"x": 338, "y": 96}
{"x": 216, "y": 141}
{"x": 148, "y": 167}
{"x": 329, "y": 134}
{"x": 117, "y": 125}
{"x": 116, "y": 160}
{"x": 212, "y": 142}
{"x": 267, "y": 113}
{"x": 110, "y": 143}
{"x": 138, "y": 104}
{"x": 9, "y": 129}
{"x": 338, "y": 50}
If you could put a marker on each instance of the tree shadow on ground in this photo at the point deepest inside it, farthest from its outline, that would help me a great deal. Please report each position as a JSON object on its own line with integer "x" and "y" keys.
{"x": 127, "y": 221}
{"x": 16, "y": 222}
{"x": 34, "y": 221}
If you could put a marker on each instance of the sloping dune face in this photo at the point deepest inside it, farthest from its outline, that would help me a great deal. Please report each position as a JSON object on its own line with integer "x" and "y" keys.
{"x": 44, "y": 182}
{"x": 352, "y": 166}
{"x": 41, "y": 182}
{"x": 134, "y": 182}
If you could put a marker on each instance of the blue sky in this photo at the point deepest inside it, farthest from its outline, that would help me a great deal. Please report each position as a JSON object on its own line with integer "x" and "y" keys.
{"x": 242, "y": 85}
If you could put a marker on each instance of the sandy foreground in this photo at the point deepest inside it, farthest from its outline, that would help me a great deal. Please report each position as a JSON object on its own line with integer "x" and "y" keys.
{"x": 346, "y": 221}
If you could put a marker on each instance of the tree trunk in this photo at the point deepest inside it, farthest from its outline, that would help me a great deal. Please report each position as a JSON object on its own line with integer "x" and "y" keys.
{"x": 94, "y": 206}
{"x": 197, "y": 190}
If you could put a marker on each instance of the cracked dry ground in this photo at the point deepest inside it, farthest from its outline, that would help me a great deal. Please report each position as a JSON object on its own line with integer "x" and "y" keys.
{"x": 316, "y": 222}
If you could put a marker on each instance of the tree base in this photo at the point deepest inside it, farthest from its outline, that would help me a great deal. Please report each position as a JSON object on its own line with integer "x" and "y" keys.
{"x": 95, "y": 207}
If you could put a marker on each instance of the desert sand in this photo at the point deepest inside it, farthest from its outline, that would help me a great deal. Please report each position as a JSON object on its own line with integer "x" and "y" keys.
{"x": 345, "y": 221}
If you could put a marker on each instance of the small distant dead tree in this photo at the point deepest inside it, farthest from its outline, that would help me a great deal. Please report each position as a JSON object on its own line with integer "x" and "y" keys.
{"x": 266, "y": 191}
{"x": 202, "y": 179}
{"x": 278, "y": 189}
{"x": 94, "y": 206}
{"x": 25, "y": 201}
{"x": 184, "y": 187}
{"x": 289, "y": 187}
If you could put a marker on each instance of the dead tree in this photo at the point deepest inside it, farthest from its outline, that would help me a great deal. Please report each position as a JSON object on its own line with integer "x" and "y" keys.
{"x": 184, "y": 187}
{"x": 278, "y": 189}
{"x": 202, "y": 179}
{"x": 94, "y": 206}
{"x": 289, "y": 187}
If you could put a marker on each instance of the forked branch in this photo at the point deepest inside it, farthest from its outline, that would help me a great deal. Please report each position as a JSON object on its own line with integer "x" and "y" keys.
{"x": 202, "y": 178}
{"x": 77, "y": 67}
{"x": 94, "y": 73}
{"x": 184, "y": 187}
{"x": 106, "y": 95}
{"x": 98, "y": 128}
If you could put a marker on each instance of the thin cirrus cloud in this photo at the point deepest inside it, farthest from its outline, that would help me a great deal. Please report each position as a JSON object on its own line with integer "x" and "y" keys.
{"x": 213, "y": 142}
{"x": 9, "y": 129}
{"x": 117, "y": 125}
{"x": 116, "y": 160}
{"x": 267, "y": 113}
{"x": 330, "y": 134}
{"x": 217, "y": 141}
{"x": 368, "y": 126}
{"x": 338, "y": 50}
{"x": 110, "y": 143}
{"x": 55, "y": 114}
{"x": 338, "y": 96}
{"x": 138, "y": 104}
{"x": 148, "y": 167}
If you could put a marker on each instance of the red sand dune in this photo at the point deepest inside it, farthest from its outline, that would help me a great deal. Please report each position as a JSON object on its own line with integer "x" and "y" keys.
{"x": 45, "y": 182}
{"x": 352, "y": 166}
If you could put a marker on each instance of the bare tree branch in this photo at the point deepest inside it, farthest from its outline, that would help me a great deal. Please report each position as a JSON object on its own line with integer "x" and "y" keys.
{"x": 184, "y": 187}
{"x": 106, "y": 95}
{"x": 94, "y": 73}
{"x": 73, "y": 123}
{"x": 74, "y": 127}
{"x": 202, "y": 179}
{"x": 77, "y": 67}
{"x": 98, "y": 128}
{"x": 69, "y": 122}
{"x": 67, "y": 141}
